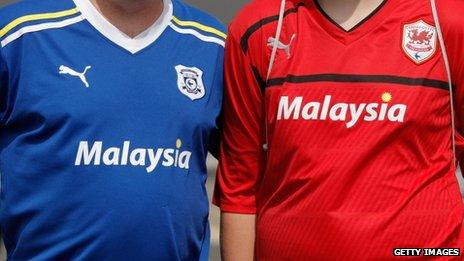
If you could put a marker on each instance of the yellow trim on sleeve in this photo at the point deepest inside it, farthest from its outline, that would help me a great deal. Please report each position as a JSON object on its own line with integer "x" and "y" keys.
{"x": 34, "y": 17}
{"x": 202, "y": 27}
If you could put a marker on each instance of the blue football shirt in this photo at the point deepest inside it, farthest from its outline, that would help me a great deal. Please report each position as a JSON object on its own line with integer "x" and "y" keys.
{"x": 103, "y": 137}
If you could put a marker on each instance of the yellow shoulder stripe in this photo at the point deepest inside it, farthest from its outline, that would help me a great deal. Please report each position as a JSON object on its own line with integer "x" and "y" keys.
{"x": 34, "y": 17}
{"x": 202, "y": 27}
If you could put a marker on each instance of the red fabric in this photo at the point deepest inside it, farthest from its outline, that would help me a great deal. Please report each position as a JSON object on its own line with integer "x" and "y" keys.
{"x": 332, "y": 188}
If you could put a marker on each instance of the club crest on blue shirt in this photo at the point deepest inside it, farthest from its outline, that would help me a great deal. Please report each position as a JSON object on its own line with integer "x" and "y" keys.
{"x": 190, "y": 82}
{"x": 419, "y": 41}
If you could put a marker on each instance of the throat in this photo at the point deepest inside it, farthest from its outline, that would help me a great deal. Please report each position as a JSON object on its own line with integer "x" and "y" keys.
{"x": 348, "y": 14}
{"x": 132, "y": 17}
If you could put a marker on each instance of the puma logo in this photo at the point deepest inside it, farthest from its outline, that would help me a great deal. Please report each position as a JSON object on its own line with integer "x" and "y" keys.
{"x": 280, "y": 45}
{"x": 66, "y": 70}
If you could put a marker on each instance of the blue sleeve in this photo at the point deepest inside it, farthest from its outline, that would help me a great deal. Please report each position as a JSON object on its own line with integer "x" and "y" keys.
{"x": 205, "y": 247}
{"x": 218, "y": 90}
{"x": 3, "y": 86}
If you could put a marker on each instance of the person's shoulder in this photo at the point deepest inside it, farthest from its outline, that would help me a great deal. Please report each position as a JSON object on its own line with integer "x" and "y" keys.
{"x": 35, "y": 10}
{"x": 191, "y": 18}
{"x": 15, "y": 17}
{"x": 252, "y": 13}
{"x": 450, "y": 14}
{"x": 259, "y": 13}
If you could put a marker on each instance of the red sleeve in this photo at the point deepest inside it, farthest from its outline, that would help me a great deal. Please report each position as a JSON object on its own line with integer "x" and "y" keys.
{"x": 458, "y": 80}
{"x": 450, "y": 14}
{"x": 241, "y": 154}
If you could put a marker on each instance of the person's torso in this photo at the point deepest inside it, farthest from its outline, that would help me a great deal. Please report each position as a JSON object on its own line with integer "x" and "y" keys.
{"x": 359, "y": 136}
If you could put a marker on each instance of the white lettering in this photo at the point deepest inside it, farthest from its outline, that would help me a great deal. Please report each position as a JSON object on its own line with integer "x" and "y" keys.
{"x": 84, "y": 154}
{"x": 285, "y": 111}
{"x": 149, "y": 158}
{"x": 350, "y": 113}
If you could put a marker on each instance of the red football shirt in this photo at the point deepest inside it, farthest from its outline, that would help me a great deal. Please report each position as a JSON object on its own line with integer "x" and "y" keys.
{"x": 358, "y": 123}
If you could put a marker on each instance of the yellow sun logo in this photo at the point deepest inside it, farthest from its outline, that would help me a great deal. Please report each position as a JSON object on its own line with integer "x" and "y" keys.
{"x": 386, "y": 97}
{"x": 178, "y": 143}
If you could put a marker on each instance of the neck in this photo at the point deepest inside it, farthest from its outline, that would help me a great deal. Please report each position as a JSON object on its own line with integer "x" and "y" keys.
{"x": 132, "y": 17}
{"x": 348, "y": 13}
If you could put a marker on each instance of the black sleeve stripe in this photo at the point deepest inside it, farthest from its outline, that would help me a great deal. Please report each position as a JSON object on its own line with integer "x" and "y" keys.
{"x": 353, "y": 78}
{"x": 258, "y": 78}
{"x": 255, "y": 27}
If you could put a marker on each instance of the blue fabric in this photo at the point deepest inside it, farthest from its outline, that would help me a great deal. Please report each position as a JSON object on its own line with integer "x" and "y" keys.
{"x": 115, "y": 171}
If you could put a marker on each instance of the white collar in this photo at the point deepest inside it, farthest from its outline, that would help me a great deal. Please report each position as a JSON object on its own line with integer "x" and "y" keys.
{"x": 133, "y": 45}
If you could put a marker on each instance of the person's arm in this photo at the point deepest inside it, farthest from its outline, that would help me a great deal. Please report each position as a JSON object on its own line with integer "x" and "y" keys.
{"x": 218, "y": 85}
{"x": 3, "y": 87}
{"x": 241, "y": 154}
{"x": 452, "y": 26}
{"x": 3, "y": 96}
{"x": 214, "y": 143}
{"x": 458, "y": 77}
{"x": 237, "y": 236}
